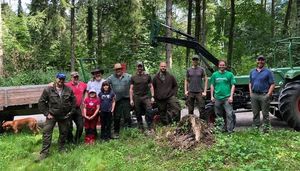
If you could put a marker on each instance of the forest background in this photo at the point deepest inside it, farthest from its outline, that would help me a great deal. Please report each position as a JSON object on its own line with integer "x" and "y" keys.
{"x": 46, "y": 36}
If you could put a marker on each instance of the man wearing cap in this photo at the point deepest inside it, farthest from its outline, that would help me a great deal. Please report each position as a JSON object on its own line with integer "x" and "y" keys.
{"x": 57, "y": 103}
{"x": 139, "y": 88}
{"x": 193, "y": 88}
{"x": 96, "y": 82}
{"x": 261, "y": 87}
{"x": 120, "y": 83}
{"x": 79, "y": 89}
{"x": 165, "y": 91}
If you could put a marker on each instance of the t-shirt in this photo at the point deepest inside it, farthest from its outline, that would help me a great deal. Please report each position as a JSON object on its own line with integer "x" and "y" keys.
{"x": 261, "y": 81}
{"x": 78, "y": 91}
{"x": 96, "y": 85}
{"x": 106, "y": 100}
{"x": 120, "y": 85}
{"x": 140, "y": 84}
{"x": 194, "y": 77}
{"x": 91, "y": 105}
{"x": 222, "y": 83}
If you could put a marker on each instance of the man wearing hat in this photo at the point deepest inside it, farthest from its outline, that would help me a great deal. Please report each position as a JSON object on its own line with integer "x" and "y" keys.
{"x": 193, "y": 86}
{"x": 96, "y": 82}
{"x": 261, "y": 87}
{"x": 139, "y": 87}
{"x": 120, "y": 83}
{"x": 79, "y": 89}
{"x": 57, "y": 103}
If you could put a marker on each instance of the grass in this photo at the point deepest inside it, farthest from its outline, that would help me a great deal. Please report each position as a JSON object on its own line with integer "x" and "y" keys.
{"x": 243, "y": 150}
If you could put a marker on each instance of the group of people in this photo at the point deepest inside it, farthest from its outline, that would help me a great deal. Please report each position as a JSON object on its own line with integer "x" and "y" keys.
{"x": 113, "y": 98}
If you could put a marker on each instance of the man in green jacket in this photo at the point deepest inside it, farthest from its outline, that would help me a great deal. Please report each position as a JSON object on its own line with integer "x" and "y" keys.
{"x": 57, "y": 103}
{"x": 222, "y": 88}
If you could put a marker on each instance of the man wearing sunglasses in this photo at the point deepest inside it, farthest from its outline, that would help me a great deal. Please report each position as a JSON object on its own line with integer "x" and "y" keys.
{"x": 79, "y": 89}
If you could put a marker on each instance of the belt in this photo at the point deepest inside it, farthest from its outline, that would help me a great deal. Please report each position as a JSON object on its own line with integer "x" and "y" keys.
{"x": 259, "y": 92}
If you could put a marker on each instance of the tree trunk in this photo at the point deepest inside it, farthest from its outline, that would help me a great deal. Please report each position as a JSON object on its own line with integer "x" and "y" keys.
{"x": 265, "y": 5}
{"x": 189, "y": 29}
{"x": 99, "y": 33}
{"x": 90, "y": 29}
{"x": 73, "y": 36}
{"x": 1, "y": 44}
{"x": 203, "y": 33}
{"x": 20, "y": 10}
{"x": 169, "y": 32}
{"x": 287, "y": 18}
{"x": 273, "y": 18}
{"x": 198, "y": 20}
{"x": 231, "y": 33}
{"x": 298, "y": 18}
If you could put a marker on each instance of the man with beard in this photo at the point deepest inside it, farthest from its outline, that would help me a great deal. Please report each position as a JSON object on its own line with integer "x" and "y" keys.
{"x": 165, "y": 91}
{"x": 139, "y": 88}
{"x": 57, "y": 103}
{"x": 120, "y": 83}
{"x": 261, "y": 87}
{"x": 222, "y": 88}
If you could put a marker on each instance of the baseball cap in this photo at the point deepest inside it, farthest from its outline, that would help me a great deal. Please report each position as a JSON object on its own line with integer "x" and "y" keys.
{"x": 261, "y": 57}
{"x": 117, "y": 66}
{"x": 61, "y": 76}
{"x": 92, "y": 91}
{"x": 195, "y": 57}
{"x": 73, "y": 74}
{"x": 139, "y": 63}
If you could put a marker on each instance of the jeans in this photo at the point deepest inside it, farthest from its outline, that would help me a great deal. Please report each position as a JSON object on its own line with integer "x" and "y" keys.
{"x": 220, "y": 106}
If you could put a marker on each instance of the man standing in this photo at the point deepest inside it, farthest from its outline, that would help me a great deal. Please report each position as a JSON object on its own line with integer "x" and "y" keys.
{"x": 57, "y": 103}
{"x": 165, "y": 91}
{"x": 79, "y": 89}
{"x": 261, "y": 87}
{"x": 221, "y": 90}
{"x": 120, "y": 83}
{"x": 193, "y": 86}
{"x": 139, "y": 88}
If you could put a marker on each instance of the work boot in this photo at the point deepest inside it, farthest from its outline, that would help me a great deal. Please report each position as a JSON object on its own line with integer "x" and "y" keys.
{"x": 41, "y": 157}
{"x": 116, "y": 136}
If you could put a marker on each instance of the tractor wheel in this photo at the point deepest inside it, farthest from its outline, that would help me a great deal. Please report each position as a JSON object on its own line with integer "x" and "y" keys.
{"x": 289, "y": 104}
{"x": 209, "y": 113}
{"x": 276, "y": 113}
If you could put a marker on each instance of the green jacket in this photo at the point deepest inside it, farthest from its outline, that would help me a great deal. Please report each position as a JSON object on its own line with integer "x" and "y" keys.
{"x": 60, "y": 107}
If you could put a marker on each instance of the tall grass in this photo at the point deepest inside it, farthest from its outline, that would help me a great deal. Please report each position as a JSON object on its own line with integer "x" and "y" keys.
{"x": 245, "y": 150}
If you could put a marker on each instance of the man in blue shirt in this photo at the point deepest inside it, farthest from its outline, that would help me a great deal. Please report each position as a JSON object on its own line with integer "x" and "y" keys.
{"x": 261, "y": 87}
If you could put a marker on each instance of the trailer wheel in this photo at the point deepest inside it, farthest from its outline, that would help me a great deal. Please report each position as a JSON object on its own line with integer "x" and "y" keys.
{"x": 289, "y": 104}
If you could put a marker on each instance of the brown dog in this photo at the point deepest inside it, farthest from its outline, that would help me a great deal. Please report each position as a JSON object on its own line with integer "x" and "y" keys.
{"x": 17, "y": 125}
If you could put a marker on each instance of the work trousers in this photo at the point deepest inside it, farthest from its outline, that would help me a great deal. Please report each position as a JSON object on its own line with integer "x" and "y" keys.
{"x": 122, "y": 111}
{"x": 49, "y": 124}
{"x": 169, "y": 110}
{"x": 140, "y": 104}
{"x": 261, "y": 102}
{"x": 78, "y": 120}
{"x": 196, "y": 97}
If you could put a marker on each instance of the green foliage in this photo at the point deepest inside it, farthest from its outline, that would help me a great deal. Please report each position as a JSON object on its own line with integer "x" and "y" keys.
{"x": 33, "y": 77}
{"x": 244, "y": 150}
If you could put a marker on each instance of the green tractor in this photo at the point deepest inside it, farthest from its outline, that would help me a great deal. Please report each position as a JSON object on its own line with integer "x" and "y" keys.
{"x": 287, "y": 77}
{"x": 286, "y": 98}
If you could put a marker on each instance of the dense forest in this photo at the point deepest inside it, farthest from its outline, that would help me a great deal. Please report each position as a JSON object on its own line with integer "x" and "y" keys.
{"x": 53, "y": 34}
